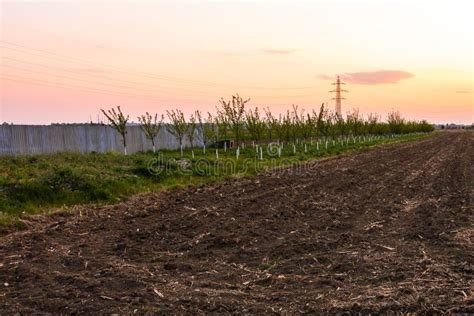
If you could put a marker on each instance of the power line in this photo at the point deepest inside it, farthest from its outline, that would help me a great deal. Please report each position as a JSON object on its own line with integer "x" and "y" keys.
{"x": 34, "y": 82}
{"x": 189, "y": 93}
{"x": 140, "y": 74}
{"x": 91, "y": 63}
{"x": 92, "y": 82}
{"x": 81, "y": 73}
{"x": 66, "y": 86}
{"x": 95, "y": 90}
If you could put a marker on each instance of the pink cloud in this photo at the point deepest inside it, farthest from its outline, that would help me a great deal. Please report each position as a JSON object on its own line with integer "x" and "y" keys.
{"x": 325, "y": 77}
{"x": 372, "y": 77}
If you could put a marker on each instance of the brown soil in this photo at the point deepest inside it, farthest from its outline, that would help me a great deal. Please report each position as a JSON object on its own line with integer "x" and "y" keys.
{"x": 388, "y": 229}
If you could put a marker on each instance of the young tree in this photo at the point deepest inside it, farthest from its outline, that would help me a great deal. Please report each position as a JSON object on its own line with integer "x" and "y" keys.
{"x": 330, "y": 126}
{"x": 222, "y": 123}
{"x": 234, "y": 110}
{"x": 191, "y": 130}
{"x": 271, "y": 123}
{"x": 255, "y": 125}
{"x": 279, "y": 128}
{"x": 151, "y": 126}
{"x": 177, "y": 126}
{"x": 426, "y": 127}
{"x": 210, "y": 130}
{"x": 395, "y": 122}
{"x": 371, "y": 123}
{"x": 287, "y": 125}
{"x": 274, "y": 125}
{"x": 118, "y": 121}
{"x": 320, "y": 123}
{"x": 201, "y": 127}
{"x": 355, "y": 122}
{"x": 309, "y": 126}
{"x": 340, "y": 126}
{"x": 298, "y": 122}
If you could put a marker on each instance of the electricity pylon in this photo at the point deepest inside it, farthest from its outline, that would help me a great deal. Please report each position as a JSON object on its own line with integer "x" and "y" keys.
{"x": 338, "y": 97}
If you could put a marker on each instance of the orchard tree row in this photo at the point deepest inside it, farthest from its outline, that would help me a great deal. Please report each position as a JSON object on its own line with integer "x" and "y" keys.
{"x": 236, "y": 121}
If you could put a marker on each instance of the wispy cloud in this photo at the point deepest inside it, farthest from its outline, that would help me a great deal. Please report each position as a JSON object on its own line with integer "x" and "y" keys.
{"x": 268, "y": 51}
{"x": 464, "y": 91}
{"x": 91, "y": 70}
{"x": 372, "y": 77}
{"x": 274, "y": 51}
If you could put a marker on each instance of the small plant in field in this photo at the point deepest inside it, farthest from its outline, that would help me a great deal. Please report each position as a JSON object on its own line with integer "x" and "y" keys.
{"x": 118, "y": 121}
{"x": 177, "y": 126}
{"x": 234, "y": 111}
{"x": 151, "y": 126}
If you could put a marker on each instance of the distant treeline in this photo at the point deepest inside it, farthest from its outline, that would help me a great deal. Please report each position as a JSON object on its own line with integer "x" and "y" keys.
{"x": 454, "y": 126}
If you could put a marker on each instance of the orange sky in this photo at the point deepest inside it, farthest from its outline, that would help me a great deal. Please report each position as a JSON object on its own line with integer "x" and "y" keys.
{"x": 62, "y": 61}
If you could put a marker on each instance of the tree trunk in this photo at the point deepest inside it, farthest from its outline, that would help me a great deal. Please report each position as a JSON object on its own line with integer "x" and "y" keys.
{"x": 124, "y": 144}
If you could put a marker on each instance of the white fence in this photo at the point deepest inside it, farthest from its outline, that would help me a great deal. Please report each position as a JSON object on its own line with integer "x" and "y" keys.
{"x": 45, "y": 139}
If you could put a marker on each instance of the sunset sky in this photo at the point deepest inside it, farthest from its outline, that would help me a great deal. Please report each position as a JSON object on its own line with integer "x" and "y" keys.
{"x": 62, "y": 61}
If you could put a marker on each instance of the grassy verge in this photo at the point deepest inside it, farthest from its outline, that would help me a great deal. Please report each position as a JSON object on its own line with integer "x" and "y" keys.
{"x": 32, "y": 184}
